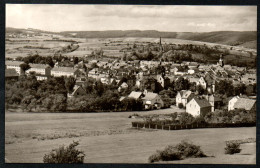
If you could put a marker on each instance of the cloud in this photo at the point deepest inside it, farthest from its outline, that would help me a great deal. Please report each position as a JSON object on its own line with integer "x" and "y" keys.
{"x": 201, "y": 24}
{"x": 58, "y": 17}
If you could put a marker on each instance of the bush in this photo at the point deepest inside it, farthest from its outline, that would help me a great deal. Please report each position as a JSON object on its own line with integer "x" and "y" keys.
{"x": 155, "y": 157}
{"x": 178, "y": 152}
{"x": 190, "y": 150}
{"x": 64, "y": 154}
{"x": 232, "y": 147}
{"x": 181, "y": 106}
{"x": 170, "y": 153}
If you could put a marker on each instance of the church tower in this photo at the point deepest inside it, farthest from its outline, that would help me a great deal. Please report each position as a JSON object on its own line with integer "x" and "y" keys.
{"x": 221, "y": 62}
{"x": 212, "y": 102}
{"x": 160, "y": 45}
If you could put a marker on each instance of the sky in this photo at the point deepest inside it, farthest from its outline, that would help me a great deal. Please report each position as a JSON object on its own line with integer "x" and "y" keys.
{"x": 58, "y": 17}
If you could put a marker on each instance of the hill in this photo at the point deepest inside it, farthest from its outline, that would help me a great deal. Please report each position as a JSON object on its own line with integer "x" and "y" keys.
{"x": 234, "y": 38}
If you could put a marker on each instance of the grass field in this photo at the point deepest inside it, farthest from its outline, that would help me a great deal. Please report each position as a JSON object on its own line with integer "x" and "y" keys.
{"x": 109, "y": 138}
{"x": 111, "y": 46}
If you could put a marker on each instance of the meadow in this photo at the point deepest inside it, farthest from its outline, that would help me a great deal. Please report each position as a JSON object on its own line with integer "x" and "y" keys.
{"x": 109, "y": 138}
{"x": 111, "y": 46}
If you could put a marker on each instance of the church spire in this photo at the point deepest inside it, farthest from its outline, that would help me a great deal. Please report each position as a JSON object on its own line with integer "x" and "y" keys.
{"x": 221, "y": 62}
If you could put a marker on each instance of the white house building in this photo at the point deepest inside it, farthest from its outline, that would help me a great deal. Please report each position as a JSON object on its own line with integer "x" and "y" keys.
{"x": 241, "y": 103}
{"x": 202, "y": 82}
{"x": 198, "y": 106}
{"x": 42, "y": 71}
{"x": 14, "y": 65}
{"x": 183, "y": 97}
{"x": 232, "y": 102}
{"x": 64, "y": 71}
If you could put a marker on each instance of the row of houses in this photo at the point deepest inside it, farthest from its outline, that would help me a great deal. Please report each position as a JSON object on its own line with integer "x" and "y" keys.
{"x": 43, "y": 71}
{"x": 140, "y": 69}
{"x": 150, "y": 100}
{"x": 201, "y": 105}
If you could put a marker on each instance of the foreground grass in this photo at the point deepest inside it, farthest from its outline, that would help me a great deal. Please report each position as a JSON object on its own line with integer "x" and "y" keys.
{"x": 119, "y": 144}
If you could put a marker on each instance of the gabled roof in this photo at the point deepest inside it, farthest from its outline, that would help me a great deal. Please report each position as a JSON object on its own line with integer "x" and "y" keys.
{"x": 75, "y": 88}
{"x": 135, "y": 95}
{"x": 122, "y": 98}
{"x": 124, "y": 84}
{"x": 202, "y": 102}
{"x": 244, "y": 103}
{"x": 185, "y": 94}
{"x": 150, "y": 96}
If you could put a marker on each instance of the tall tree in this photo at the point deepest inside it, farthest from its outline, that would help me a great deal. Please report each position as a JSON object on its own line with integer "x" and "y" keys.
{"x": 75, "y": 60}
{"x": 24, "y": 67}
{"x": 181, "y": 84}
{"x": 70, "y": 83}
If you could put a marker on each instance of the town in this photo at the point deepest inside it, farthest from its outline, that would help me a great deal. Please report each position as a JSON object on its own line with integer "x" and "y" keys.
{"x": 136, "y": 84}
{"x": 146, "y": 84}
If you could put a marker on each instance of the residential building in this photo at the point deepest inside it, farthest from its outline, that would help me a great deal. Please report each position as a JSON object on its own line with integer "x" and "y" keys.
{"x": 202, "y": 82}
{"x": 14, "y": 65}
{"x": 65, "y": 71}
{"x": 152, "y": 100}
{"x": 241, "y": 103}
{"x": 136, "y": 95}
{"x": 94, "y": 73}
{"x": 164, "y": 81}
{"x": 42, "y": 71}
{"x": 215, "y": 101}
{"x": 232, "y": 102}
{"x": 198, "y": 107}
{"x": 183, "y": 97}
{"x": 11, "y": 74}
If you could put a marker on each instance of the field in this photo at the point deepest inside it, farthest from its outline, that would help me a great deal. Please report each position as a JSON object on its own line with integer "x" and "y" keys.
{"x": 46, "y": 46}
{"x": 109, "y": 138}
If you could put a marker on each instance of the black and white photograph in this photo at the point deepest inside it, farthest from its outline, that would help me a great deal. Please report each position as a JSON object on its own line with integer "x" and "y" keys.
{"x": 130, "y": 84}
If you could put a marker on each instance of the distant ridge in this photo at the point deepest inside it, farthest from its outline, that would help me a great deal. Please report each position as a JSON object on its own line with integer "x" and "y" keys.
{"x": 220, "y": 37}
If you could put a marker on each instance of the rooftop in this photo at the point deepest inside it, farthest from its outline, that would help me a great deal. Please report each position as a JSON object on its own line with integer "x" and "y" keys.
{"x": 14, "y": 63}
{"x": 244, "y": 103}
{"x": 64, "y": 69}
{"x": 202, "y": 102}
{"x": 150, "y": 96}
{"x": 40, "y": 66}
{"x": 135, "y": 95}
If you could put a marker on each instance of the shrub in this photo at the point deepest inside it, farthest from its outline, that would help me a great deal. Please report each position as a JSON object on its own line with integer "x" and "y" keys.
{"x": 155, "y": 157}
{"x": 170, "y": 153}
{"x": 181, "y": 106}
{"x": 64, "y": 154}
{"x": 178, "y": 152}
{"x": 190, "y": 150}
{"x": 232, "y": 147}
